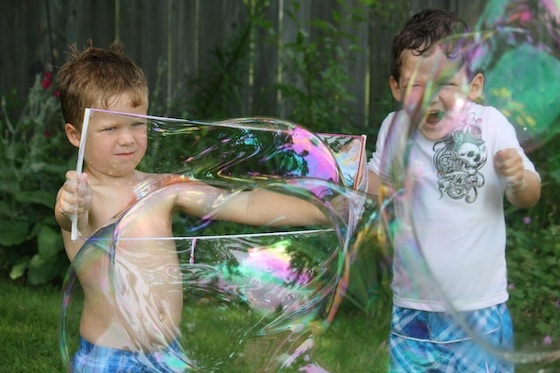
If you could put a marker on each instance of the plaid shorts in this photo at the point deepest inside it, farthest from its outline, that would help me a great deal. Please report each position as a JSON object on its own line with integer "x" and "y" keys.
{"x": 91, "y": 358}
{"x": 422, "y": 341}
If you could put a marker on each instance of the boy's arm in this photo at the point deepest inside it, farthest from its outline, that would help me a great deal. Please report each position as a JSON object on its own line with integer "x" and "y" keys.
{"x": 523, "y": 187}
{"x": 271, "y": 208}
{"x": 373, "y": 183}
{"x": 255, "y": 207}
{"x": 525, "y": 193}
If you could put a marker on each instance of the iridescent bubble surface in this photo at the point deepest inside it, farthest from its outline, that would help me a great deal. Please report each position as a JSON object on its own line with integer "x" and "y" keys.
{"x": 228, "y": 297}
{"x": 516, "y": 46}
{"x": 253, "y": 302}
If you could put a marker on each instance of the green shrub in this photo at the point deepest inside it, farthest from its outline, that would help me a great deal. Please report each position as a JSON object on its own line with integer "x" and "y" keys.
{"x": 34, "y": 156}
{"x": 316, "y": 72}
{"x": 533, "y": 247}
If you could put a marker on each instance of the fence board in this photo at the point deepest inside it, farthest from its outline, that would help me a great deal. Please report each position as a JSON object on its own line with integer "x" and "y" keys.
{"x": 265, "y": 66}
{"x": 24, "y": 45}
{"x": 183, "y": 34}
{"x": 78, "y": 21}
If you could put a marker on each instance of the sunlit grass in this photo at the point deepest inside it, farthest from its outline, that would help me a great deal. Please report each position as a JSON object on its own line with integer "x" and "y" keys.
{"x": 29, "y": 328}
{"x": 354, "y": 342}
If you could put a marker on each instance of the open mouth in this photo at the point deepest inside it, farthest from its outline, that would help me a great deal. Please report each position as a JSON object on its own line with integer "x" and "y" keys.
{"x": 433, "y": 117}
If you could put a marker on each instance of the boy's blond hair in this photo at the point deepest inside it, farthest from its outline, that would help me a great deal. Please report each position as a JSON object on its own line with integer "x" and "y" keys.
{"x": 95, "y": 76}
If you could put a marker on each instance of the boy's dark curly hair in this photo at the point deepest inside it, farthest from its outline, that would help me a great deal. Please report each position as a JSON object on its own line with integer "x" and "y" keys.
{"x": 422, "y": 31}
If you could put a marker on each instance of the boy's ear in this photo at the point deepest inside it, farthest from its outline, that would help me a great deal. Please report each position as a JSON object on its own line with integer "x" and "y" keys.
{"x": 395, "y": 89}
{"x": 476, "y": 86}
{"x": 72, "y": 134}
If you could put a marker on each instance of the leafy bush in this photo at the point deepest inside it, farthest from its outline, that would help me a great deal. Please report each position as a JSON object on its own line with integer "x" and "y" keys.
{"x": 316, "y": 72}
{"x": 533, "y": 268}
{"x": 533, "y": 248}
{"x": 34, "y": 156}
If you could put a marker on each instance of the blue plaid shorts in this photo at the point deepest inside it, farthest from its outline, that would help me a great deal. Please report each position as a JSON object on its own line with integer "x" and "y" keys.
{"x": 91, "y": 358}
{"x": 422, "y": 341}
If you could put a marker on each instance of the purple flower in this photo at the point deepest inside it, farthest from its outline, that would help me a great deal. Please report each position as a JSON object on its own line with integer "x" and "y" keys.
{"x": 527, "y": 220}
{"x": 547, "y": 340}
{"x": 511, "y": 286}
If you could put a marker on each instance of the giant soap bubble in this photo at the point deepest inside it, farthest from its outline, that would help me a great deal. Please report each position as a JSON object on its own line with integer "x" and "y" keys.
{"x": 516, "y": 46}
{"x": 215, "y": 295}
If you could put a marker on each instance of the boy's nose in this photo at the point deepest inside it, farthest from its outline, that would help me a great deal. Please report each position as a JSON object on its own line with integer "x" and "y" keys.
{"x": 126, "y": 137}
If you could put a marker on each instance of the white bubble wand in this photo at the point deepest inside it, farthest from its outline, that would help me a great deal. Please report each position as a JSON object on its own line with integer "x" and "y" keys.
{"x": 74, "y": 218}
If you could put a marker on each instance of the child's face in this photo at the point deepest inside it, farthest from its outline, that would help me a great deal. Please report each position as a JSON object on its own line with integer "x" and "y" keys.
{"x": 116, "y": 144}
{"x": 450, "y": 84}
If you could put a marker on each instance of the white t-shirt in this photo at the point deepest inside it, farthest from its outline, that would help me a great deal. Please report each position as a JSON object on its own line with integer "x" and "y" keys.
{"x": 451, "y": 221}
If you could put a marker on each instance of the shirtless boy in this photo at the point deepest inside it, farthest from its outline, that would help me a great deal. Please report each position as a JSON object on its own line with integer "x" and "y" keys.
{"x": 113, "y": 339}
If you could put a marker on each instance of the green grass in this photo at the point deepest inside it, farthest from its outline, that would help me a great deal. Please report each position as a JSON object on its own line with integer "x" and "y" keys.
{"x": 29, "y": 329}
{"x": 354, "y": 342}
{"x": 29, "y": 326}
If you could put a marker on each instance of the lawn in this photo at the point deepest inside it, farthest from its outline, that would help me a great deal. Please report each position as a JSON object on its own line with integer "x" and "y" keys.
{"x": 30, "y": 322}
{"x": 29, "y": 330}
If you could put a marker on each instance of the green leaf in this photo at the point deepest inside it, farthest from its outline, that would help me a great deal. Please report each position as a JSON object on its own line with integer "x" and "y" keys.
{"x": 49, "y": 241}
{"x": 13, "y": 232}
{"x": 19, "y": 269}
{"x": 40, "y": 197}
{"x": 42, "y": 270}
{"x": 5, "y": 210}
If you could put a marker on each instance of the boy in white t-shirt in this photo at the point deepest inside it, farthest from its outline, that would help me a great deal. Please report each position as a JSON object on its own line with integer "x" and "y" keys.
{"x": 461, "y": 169}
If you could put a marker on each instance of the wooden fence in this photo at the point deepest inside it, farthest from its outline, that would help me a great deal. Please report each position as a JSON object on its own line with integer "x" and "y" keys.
{"x": 183, "y": 33}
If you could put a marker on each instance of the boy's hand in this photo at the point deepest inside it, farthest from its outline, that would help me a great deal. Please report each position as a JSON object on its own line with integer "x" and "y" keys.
{"x": 75, "y": 196}
{"x": 509, "y": 165}
{"x": 341, "y": 206}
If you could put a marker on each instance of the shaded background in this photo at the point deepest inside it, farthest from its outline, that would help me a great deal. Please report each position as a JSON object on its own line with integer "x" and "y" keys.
{"x": 175, "y": 42}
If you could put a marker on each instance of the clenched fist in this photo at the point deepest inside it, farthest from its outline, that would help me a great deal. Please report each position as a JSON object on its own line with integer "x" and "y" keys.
{"x": 509, "y": 165}
{"x": 75, "y": 196}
